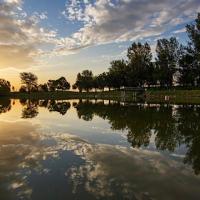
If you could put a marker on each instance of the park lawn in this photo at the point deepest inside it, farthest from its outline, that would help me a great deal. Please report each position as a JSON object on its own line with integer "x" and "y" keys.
{"x": 174, "y": 96}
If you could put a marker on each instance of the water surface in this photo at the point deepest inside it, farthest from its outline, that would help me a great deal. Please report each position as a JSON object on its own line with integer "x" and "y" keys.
{"x": 81, "y": 149}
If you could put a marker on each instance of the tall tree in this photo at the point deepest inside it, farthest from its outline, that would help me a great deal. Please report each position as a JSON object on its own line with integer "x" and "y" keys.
{"x": 4, "y": 86}
{"x": 151, "y": 74}
{"x": 109, "y": 80}
{"x": 101, "y": 81}
{"x": 78, "y": 84}
{"x": 84, "y": 81}
{"x": 168, "y": 56}
{"x": 139, "y": 60}
{"x": 191, "y": 58}
{"x": 29, "y": 80}
{"x": 118, "y": 70}
{"x": 188, "y": 70}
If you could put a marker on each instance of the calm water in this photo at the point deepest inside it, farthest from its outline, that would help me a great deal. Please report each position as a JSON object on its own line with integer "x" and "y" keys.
{"x": 56, "y": 150}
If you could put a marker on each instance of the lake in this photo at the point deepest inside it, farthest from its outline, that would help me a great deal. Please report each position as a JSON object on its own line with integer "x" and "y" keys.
{"x": 82, "y": 149}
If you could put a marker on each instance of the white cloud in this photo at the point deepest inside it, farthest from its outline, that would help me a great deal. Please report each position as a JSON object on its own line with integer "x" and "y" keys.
{"x": 106, "y": 21}
{"x": 21, "y": 37}
{"x": 183, "y": 30}
{"x": 12, "y": 1}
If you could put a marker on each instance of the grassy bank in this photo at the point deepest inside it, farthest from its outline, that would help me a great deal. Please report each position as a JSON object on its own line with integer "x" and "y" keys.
{"x": 112, "y": 95}
{"x": 173, "y": 96}
{"x": 152, "y": 96}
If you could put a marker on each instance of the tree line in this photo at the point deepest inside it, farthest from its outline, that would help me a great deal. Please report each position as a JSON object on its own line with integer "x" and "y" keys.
{"x": 174, "y": 64}
{"x": 29, "y": 83}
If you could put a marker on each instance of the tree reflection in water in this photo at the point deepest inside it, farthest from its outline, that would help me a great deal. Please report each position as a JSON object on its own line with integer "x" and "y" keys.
{"x": 71, "y": 168}
{"x": 172, "y": 126}
{"x": 30, "y": 107}
{"x": 5, "y": 105}
{"x": 56, "y": 106}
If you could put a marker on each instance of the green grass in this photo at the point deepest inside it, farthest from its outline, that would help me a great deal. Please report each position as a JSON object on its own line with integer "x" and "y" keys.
{"x": 175, "y": 96}
{"x": 71, "y": 95}
{"x": 178, "y": 96}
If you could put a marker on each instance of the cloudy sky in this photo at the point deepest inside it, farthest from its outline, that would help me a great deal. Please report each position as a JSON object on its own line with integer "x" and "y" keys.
{"x": 60, "y": 38}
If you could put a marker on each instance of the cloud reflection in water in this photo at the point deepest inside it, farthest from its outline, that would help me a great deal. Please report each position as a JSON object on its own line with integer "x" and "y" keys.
{"x": 32, "y": 162}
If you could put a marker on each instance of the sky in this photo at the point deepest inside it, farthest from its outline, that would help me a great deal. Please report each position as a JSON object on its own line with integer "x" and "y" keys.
{"x": 54, "y": 38}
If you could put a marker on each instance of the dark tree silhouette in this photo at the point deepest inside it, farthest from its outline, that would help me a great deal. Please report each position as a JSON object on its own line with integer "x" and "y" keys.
{"x": 141, "y": 122}
{"x": 84, "y": 81}
{"x": 139, "y": 60}
{"x": 59, "y": 84}
{"x": 4, "y": 87}
{"x": 29, "y": 80}
{"x": 190, "y": 63}
{"x": 61, "y": 107}
{"x": 168, "y": 56}
{"x": 30, "y": 109}
{"x": 118, "y": 71}
{"x": 43, "y": 87}
{"x": 5, "y": 105}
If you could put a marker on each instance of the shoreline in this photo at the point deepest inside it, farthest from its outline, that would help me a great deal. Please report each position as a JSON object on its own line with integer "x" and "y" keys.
{"x": 149, "y": 96}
